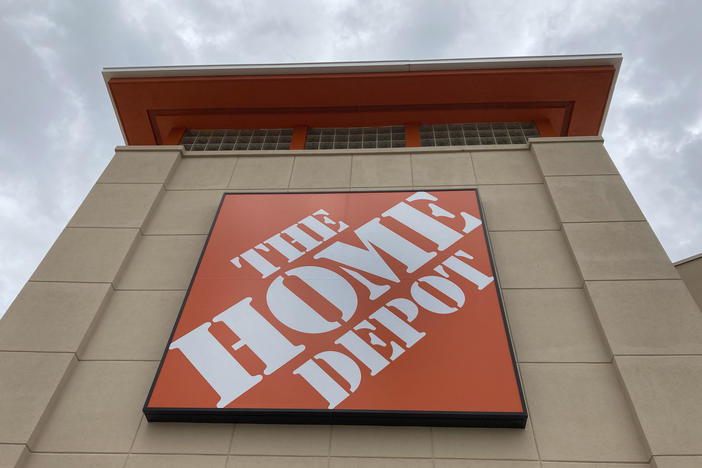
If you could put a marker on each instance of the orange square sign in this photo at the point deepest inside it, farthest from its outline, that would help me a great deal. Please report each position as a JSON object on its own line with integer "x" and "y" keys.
{"x": 349, "y": 308}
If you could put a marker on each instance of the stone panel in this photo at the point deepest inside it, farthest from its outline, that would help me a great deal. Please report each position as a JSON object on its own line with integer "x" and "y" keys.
{"x": 199, "y": 172}
{"x": 381, "y": 170}
{"x": 534, "y": 259}
{"x": 279, "y": 439}
{"x": 691, "y": 273}
{"x": 277, "y": 462}
{"x": 506, "y": 167}
{"x": 176, "y": 461}
{"x": 573, "y": 158}
{"x": 665, "y": 391}
{"x": 193, "y": 438}
{"x": 379, "y": 463}
{"x": 162, "y": 262}
{"x": 594, "y": 465}
{"x": 52, "y": 316}
{"x": 116, "y": 205}
{"x": 487, "y": 464}
{"x": 140, "y": 167}
{"x": 518, "y": 207}
{"x": 611, "y": 251}
{"x": 89, "y": 255}
{"x": 381, "y": 441}
{"x": 593, "y": 198}
{"x": 321, "y": 172}
{"x": 135, "y": 326}
{"x": 72, "y": 460}
{"x": 29, "y": 382}
{"x": 648, "y": 317}
{"x": 184, "y": 212}
{"x": 554, "y": 325}
{"x": 12, "y": 455}
{"x": 484, "y": 443}
{"x": 99, "y": 408}
{"x": 580, "y": 413}
{"x": 262, "y": 172}
{"x": 438, "y": 169}
{"x": 676, "y": 462}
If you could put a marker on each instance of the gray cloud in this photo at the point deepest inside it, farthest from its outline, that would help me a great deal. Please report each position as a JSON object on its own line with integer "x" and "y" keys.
{"x": 655, "y": 121}
{"x": 58, "y": 128}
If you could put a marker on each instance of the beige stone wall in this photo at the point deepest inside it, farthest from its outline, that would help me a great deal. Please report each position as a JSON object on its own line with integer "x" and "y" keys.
{"x": 607, "y": 337}
{"x": 690, "y": 271}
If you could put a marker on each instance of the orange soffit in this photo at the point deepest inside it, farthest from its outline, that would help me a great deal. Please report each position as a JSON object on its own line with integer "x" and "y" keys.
{"x": 562, "y": 100}
{"x": 345, "y": 308}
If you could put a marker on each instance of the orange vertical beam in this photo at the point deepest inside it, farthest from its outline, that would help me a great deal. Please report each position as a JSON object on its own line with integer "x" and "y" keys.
{"x": 174, "y": 136}
{"x": 298, "y": 138}
{"x": 546, "y": 128}
{"x": 412, "y": 135}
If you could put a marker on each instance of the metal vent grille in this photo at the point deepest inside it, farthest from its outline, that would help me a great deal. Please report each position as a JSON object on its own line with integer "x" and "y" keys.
{"x": 495, "y": 133}
{"x": 226, "y": 140}
{"x": 355, "y": 137}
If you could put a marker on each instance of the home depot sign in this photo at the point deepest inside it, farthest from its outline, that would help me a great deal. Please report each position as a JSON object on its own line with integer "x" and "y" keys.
{"x": 366, "y": 307}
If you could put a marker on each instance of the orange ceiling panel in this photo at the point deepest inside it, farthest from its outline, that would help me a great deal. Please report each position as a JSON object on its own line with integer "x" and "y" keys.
{"x": 572, "y": 100}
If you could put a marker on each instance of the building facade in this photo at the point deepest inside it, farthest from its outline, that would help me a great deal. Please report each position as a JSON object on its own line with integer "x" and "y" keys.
{"x": 607, "y": 338}
{"x": 690, "y": 270}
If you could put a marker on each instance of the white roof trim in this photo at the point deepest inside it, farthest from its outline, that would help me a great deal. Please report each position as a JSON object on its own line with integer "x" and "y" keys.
{"x": 366, "y": 67}
{"x": 688, "y": 259}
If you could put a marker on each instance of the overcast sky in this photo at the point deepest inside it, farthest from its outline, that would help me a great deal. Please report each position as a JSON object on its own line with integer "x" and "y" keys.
{"x": 58, "y": 129}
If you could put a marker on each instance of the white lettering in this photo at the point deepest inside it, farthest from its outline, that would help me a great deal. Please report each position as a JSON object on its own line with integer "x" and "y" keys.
{"x": 284, "y": 248}
{"x": 437, "y": 232}
{"x": 297, "y": 314}
{"x": 327, "y": 387}
{"x": 255, "y": 259}
{"x": 259, "y": 335}
{"x": 214, "y": 363}
{"x": 362, "y": 350}
{"x": 465, "y": 270}
{"x": 431, "y": 303}
{"x": 397, "y": 326}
